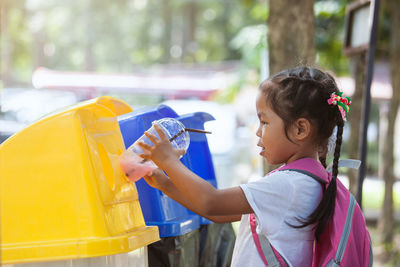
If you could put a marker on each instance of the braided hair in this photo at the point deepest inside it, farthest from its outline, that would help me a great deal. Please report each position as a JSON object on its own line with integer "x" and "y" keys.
{"x": 302, "y": 92}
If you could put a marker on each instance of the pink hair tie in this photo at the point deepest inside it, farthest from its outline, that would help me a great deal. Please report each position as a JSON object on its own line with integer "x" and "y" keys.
{"x": 342, "y": 102}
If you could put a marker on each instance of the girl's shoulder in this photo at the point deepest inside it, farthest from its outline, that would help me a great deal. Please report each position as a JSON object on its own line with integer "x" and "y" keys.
{"x": 276, "y": 178}
{"x": 285, "y": 173}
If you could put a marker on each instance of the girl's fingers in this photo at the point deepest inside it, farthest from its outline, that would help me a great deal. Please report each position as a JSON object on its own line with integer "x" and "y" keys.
{"x": 145, "y": 146}
{"x": 145, "y": 156}
{"x": 152, "y": 138}
{"x": 181, "y": 152}
{"x": 160, "y": 132}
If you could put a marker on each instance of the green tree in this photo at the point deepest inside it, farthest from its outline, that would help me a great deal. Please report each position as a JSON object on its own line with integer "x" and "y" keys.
{"x": 291, "y": 43}
{"x": 15, "y": 42}
{"x": 329, "y": 32}
{"x": 386, "y": 222}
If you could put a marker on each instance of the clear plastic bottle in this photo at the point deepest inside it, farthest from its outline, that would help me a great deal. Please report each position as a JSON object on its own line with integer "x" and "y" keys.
{"x": 136, "y": 167}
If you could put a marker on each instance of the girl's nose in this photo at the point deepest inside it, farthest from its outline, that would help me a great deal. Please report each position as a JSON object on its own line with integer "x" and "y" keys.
{"x": 258, "y": 132}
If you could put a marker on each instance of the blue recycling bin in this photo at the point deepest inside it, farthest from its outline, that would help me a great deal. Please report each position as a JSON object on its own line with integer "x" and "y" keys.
{"x": 182, "y": 241}
{"x": 158, "y": 209}
{"x": 198, "y": 158}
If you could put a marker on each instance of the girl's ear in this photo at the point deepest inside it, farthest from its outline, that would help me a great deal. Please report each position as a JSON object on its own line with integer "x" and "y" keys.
{"x": 301, "y": 129}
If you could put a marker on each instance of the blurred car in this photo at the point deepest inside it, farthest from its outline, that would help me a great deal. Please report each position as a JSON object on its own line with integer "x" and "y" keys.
{"x": 21, "y": 106}
{"x": 229, "y": 144}
{"x": 223, "y": 128}
{"x": 8, "y": 128}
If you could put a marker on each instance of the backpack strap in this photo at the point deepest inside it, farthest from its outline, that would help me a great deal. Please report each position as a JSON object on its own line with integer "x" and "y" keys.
{"x": 268, "y": 254}
{"x": 347, "y": 163}
{"x": 312, "y": 175}
{"x": 371, "y": 254}
{"x": 345, "y": 234}
{"x": 309, "y": 167}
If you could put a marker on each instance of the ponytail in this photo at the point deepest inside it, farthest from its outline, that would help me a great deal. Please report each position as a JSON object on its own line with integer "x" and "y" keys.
{"x": 324, "y": 212}
{"x": 322, "y": 159}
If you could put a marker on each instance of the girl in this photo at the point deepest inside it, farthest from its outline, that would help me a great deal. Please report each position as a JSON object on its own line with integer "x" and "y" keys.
{"x": 297, "y": 110}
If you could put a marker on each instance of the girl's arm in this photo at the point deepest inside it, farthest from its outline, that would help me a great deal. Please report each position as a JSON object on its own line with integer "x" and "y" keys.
{"x": 160, "y": 181}
{"x": 201, "y": 196}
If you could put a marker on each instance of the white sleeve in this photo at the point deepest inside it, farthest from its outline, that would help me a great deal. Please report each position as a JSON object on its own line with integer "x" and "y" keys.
{"x": 270, "y": 198}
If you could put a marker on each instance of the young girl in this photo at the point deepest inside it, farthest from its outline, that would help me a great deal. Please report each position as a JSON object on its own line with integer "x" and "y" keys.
{"x": 297, "y": 110}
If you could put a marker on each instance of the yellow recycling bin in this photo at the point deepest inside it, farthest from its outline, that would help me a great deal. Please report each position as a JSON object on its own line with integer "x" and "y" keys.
{"x": 63, "y": 195}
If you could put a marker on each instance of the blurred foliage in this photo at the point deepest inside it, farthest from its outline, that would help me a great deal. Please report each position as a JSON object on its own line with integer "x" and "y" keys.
{"x": 329, "y": 35}
{"x": 383, "y": 44}
{"x": 123, "y": 35}
{"x": 250, "y": 41}
{"x": 373, "y": 157}
{"x": 118, "y": 36}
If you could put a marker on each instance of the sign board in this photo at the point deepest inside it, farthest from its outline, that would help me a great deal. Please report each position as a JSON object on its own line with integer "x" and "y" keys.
{"x": 358, "y": 27}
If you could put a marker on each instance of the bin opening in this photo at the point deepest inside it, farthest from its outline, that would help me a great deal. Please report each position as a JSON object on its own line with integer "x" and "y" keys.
{"x": 132, "y": 162}
{"x": 181, "y": 132}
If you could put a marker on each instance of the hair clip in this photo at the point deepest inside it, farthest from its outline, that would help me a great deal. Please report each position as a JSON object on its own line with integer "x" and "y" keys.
{"x": 342, "y": 102}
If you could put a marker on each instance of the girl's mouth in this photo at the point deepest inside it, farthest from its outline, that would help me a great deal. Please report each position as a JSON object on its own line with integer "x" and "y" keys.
{"x": 262, "y": 148}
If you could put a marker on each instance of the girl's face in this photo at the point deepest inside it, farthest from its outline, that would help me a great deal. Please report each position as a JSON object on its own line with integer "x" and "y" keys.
{"x": 275, "y": 146}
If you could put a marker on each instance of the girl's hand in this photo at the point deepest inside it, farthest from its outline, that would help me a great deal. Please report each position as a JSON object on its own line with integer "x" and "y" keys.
{"x": 157, "y": 179}
{"x": 162, "y": 153}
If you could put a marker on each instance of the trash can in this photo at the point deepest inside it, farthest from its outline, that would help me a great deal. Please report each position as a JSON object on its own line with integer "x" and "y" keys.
{"x": 215, "y": 241}
{"x": 178, "y": 228}
{"x": 64, "y": 199}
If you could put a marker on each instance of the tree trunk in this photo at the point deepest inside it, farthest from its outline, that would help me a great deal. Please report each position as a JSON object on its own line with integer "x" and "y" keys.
{"x": 166, "y": 41}
{"x": 39, "y": 40}
{"x": 90, "y": 60}
{"x": 145, "y": 40}
{"x": 225, "y": 27}
{"x": 6, "y": 49}
{"x": 386, "y": 221}
{"x": 358, "y": 70}
{"x": 291, "y": 34}
{"x": 190, "y": 16}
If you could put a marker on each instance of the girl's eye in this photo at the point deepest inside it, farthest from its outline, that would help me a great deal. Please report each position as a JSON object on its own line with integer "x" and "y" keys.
{"x": 263, "y": 122}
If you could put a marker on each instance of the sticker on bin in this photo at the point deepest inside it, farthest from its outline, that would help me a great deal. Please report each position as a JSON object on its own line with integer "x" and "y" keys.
{"x": 136, "y": 167}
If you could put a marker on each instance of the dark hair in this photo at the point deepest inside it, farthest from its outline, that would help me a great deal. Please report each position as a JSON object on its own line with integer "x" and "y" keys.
{"x": 303, "y": 92}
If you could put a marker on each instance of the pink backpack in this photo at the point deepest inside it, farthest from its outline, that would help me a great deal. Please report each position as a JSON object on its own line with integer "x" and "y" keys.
{"x": 345, "y": 240}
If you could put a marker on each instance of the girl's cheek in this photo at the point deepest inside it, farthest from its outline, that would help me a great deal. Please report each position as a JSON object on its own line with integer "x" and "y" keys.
{"x": 263, "y": 129}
